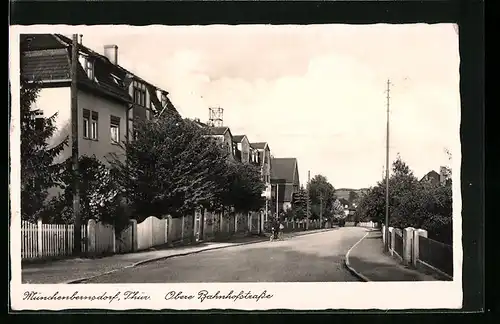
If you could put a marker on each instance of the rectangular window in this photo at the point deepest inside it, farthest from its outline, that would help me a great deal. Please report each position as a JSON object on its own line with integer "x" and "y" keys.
{"x": 85, "y": 127}
{"x": 139, "y": 94}
{"x": 115, "y": 129}
{"x": 94, "y": 133}
{"x": 89, "y": 68}
{"x": 86, "y": 123}
{"x": 39, "y": 121}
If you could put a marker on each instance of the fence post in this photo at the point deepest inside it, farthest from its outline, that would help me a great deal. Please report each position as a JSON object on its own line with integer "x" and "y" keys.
{"x": 392, "y": 238}
{"x": 203, "y": 223}
{"x": 249, "y": 224}
{"x": 383, "y": 234}
{"x": 416, "y": 235}
{"x": 39, "y": 237}
{"x": 182, "y": 228}
{"x": 91, "y": 225}
{"x": 113, "y": 238}
{"x": 135, "y": 243}
{"x": 407, "y": 244}
{"x": 167, "y": 226}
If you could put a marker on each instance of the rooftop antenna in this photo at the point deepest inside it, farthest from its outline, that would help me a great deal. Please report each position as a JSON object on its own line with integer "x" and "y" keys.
{"x": 215, "y": 117}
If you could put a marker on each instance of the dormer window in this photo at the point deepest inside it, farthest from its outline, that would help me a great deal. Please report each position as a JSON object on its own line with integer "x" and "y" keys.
{"x": 89, "y": 69}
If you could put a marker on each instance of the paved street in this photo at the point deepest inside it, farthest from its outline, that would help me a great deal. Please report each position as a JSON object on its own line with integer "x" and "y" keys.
{"x": 314, "y": 257}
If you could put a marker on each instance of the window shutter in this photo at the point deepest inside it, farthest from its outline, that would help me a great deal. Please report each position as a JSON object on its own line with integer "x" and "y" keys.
{"x": 115, "y": 120}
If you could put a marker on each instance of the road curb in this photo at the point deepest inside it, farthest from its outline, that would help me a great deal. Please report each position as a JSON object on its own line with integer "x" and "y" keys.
{"x": 80, "y": 280}
{"x": 347, "y": 263}
{"x": 266, "y": 239}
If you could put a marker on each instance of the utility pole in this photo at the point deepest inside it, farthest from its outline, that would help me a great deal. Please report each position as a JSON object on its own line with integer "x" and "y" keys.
{"x": 74, "y": 147}
{"x": 308, "y": 199}
{"x": 386, "y": 245}
{"x": 321, "y": 210}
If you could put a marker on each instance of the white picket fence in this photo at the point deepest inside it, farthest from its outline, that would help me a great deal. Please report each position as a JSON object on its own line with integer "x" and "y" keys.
{"x": 40, "y": 240}
{"x": 53, "y": 240}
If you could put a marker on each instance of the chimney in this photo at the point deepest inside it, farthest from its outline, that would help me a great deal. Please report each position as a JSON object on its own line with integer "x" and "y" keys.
{"x": 442, "y": 175}
{"x": 111, "y": 52}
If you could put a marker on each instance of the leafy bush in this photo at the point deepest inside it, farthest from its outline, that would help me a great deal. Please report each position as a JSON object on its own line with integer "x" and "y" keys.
{"x": 101, "y": 197}
{"x": 411, "y": 204}
{"x": 38, "y": 171}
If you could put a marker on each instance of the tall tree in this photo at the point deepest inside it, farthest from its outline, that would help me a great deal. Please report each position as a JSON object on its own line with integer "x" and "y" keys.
{"x": 38, "y": 170}
{"x": 338, "y": 209}
{"x": 172, "y": 167}
{"x": 411, "y": 203}
{"x": 353, "y": 197}
{"x": 243, "y": 187}
{"x": 322, "y": 195}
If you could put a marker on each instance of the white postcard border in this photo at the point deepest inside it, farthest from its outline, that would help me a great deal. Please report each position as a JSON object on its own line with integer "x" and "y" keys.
{"x": 298, "y": 296}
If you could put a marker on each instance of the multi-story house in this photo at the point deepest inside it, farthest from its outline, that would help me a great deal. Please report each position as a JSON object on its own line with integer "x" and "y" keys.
{"x": 284, "y": 182}
{"x": 242, "y": 148}
{"x": 262, "y": 154}
{"x": 108, "y": 95}
{"x": 223, "y": 134}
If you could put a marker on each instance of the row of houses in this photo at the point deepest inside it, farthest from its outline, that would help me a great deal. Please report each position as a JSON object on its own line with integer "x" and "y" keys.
{"x": 112, "y": 99}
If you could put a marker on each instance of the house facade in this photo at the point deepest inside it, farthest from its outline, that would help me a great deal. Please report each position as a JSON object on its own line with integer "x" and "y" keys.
{"x": 284, "y": 182}
{"x": 242, "y": 148}
{"x": 103, "y": 99}
{"x": 110, "y": 98}
{"x": 262, "y": 154}
{"x": 223, "y": 134}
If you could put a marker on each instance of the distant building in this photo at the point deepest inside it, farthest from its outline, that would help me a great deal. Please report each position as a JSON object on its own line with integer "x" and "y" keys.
{"x": 223, "y": 134}
{"x": 262, "y": 155}
{"x": 434, "y": 177}
{"x": 242, "y": 148}
{"x": 285, "y": 180}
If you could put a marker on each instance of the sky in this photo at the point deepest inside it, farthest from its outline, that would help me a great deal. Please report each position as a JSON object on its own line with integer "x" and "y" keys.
{"x": 314, "y": 92}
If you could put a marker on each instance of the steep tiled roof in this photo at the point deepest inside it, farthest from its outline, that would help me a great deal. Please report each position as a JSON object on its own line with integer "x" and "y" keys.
{"x": 51, "y": 64}
{"x": 218, "y": 130}
{"x": 284, "y": 169}
{"x": 259, "y": 146}
{"x": 47, "y": 57}
{"x": 238, "y": 138}
{"x": 431, "y": 175}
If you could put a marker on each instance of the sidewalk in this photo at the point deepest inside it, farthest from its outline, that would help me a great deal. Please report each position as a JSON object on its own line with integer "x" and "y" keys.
{"x": 77, "y": 269}
{"x": 368, "y": 261}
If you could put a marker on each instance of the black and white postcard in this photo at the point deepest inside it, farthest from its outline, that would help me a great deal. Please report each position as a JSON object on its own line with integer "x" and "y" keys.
{"x": 248, "y": 167}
